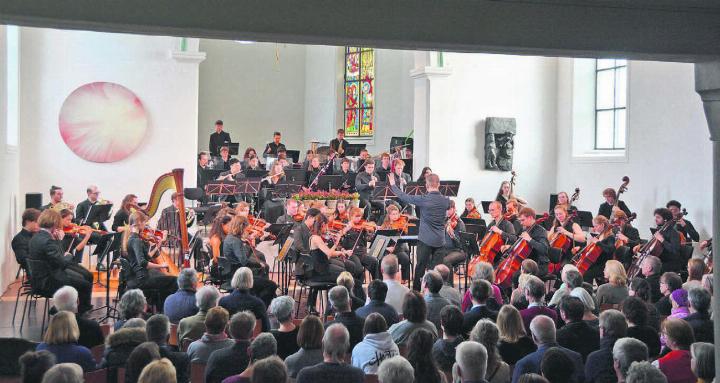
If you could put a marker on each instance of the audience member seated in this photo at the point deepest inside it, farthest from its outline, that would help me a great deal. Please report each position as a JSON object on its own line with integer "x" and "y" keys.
{"x": 181, "y": 304}
{"x": 615, "y": 291}
{"x": 61, "y": 339}
{"x": 636, "y": 314}
{"x": 396, "y": 370}
{"x": 415, "y": 319}
{"x": 679, "y": 302}
{"x": 696, "y": 269}
{"x": 484, "y": 271}
{"x": 34, "y": 364}
{"x": 396, "y": 290}
{"x": 676, "y": 364}
{"x": 132, "y": 305}
{"x": 576, "y": 335}
{"x": 241, "y": 299}
{"x": 377, "y": 292}
{"x": 64, "y": 373}
{"x": 346, "y": 279}
{"x": 556, "y": 366}
{"x": 122, "y": 342}
{"x": 333, "y": 369}
{"x": 214, "y": 337}
{"x": 263, "y": 346}
{"x": 471, "y": 364}
{"x": 699, "y": 317}
{"x": 565, "y": 288}
{"x": 514, "y": 343}
{"x": 599, "y": 365}
{"x": 443, "y": 351}
{"x": 269, "y": 370}
{"x": 517, "y": 296}
{"x": 310, "y": 341}
{"x": 534, "y": 292}
{"x": 640, "y": 288}
{"x": 339, "y": 297}
{"x": 651, "y": 269}
{"x": 157, "y": 329}
{"x": 625, "y": 352}
{"x": 588, "y": 316}
{"x": 419, "y": 355}
{"x": 448, "y": 291}
{"x": 669, "y": 282}
{"x": 376, "y": 346}
{"x": 431, "y": 285}
{"x": 66, "y": 299}
{"x": 480, "y": 291}
{"x": 644, "y": 372}
{"x": 702, "y": 361}
{"x": 141, "y": 356}
{"x": 159, "y": 371}
{"x": 542, "y": 329}
{"x": 234, "y": 359}
{"x": 486, "y": 333}
{"x": 286, "y": 335}
{"x": 193, "y": 327}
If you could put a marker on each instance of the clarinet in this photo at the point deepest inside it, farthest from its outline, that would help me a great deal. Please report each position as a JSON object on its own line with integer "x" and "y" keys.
{"x": 323, "y": 170}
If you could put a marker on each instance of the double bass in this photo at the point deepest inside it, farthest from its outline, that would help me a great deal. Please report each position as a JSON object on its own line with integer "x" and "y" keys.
{"x": 652, "y": 247}
{"x": 620, "y": 190}
{"x": 517, "y": 253}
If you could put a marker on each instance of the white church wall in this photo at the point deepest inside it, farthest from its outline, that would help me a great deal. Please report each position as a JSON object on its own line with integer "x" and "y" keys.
{"x": 668, "y": 150}
{"x": 56, "y": 62}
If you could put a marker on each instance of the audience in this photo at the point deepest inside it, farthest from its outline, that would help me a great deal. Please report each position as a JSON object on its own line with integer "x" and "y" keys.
{"x": 532, "y": 378}
{"x": 443, "y": 351}
{"x": 132, "y": 305}
{"x": 675, "y": 364}
{"x": 644, "y": 372}
{"x": 335, "y": 345}
{"x": 576, "y": 335}
{"x": 702, "y": 362}
{"x": 346, "y": 279}
{"x": 159, "y": 371}
{"x": 580, "y": 293}
{"x": 651, "y": 269}
{"x": 241, "y": 299}
{"x": 157, "y": 329}
{"x": 471, "y": 364}
{"x": 396, "y": 370}
{"x": 636, "y": 315}
{"x": 66, "y": 299}
{"x": 61, "y": 339}
{"x": 64, "y": 373}
{"x": 624, "y": 353}
{"x": 419, "y": 355}
{"x": 556, "y": 366}
{"x": 448, "y": 291}
{"x": 309, "y": 340}
{"x": 34, "y": 364}
{"x": 699, "y": 317}
{"x": 431, "y": 284}
{"x": 640, "y": 288}
{"x": 340, "y": 299}
{"x": 193, "y": 327}
{"x": 565, "y": 288}
{"x": 599, "y": 364}
{"x": 396, "y": 290}
{"x": 377, "y": 293}
{"x": 181, "y": 304}
{"x": 214, "y": 337}
{"x": 269, "y": 370}
{"x": 263, "y": 346}
{"x": 542, "y": 329}
{"x": 486, "y": 333}
{"x": 679, "y": 302}
{"x": 140, "y": 357}
{"x": 286, "y": 335}
{"x": 696, "y": 269}
{"x": 485, "y": 271}
{"x": 514, "y": 341}
{"x": 534, "y": 292}
{"x": 415, "y": 319}
{"x": 120, "y": 344}
{"x": 376, "y": 346}
{"x": 480, "y": 291}
{"x": 615, "y": 291}
{"x": 669, "y": 282}
{"x": 234, "y": 359}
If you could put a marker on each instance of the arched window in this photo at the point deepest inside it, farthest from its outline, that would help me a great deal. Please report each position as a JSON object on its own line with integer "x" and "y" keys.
{"x": 359, "y": 92}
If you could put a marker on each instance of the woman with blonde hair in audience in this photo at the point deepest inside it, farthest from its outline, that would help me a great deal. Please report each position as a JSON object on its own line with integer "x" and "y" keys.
{"x": 487, "y": 333}
{"x": 159, "y": 371}
{"x": 484, "y": 271}
{"x": 514, "y": 342}
{"x": 702, "y": 362}
{"x": 616, "y": 290}
{"x": 61, "y": 339}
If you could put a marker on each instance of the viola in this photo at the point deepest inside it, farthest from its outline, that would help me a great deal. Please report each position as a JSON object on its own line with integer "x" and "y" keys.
{"x": 401, "y": 224}
{"x": 364, "y": 225}
{"x": 517, "y": 253}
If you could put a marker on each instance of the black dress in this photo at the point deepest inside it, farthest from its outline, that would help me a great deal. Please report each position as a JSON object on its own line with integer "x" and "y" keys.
{"x": 152, "y": 282}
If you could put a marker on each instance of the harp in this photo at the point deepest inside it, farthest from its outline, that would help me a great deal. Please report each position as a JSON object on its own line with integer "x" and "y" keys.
{"x": 170, "y": 181}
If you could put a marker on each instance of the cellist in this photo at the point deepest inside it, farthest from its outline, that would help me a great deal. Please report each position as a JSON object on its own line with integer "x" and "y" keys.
{"x": 499, "y": 224}
{"x": 536, "y": 236}
{"x": 564, "y": 225}
{"x": 626, "y": 238}
{"x": 511, "y": 214}
{"x": 669, "y": 239}
{"x": 606, "y": 242}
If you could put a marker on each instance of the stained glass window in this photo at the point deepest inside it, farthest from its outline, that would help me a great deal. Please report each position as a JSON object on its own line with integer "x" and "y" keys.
{"x": 359, "y": 92}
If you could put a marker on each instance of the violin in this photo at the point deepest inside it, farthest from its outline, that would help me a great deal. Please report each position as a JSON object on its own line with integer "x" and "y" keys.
{"x": 151, "y": 235}
{"x": 298, "y": 217}
{"x": 74, "y": 229}
{"x": 453, "y": 221}
{"x": 343, "y": 217}
{"x": 517, "y": 253}
{"x": 364, "y": 225}
{"x": 401, "y": 224}
{"x": 474, "y": 214}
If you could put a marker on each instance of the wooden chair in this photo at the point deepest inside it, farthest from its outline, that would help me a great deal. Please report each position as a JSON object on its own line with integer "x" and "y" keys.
{"x": 97, "y": 376}
{"x": 197, "y": 372}
{"x": 371, "y": 378}
{"x": 173, "y": 335}
{"x": 97, "y": 352}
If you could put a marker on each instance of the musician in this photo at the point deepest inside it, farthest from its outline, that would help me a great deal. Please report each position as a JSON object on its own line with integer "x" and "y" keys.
{"x": 499, "y": 224}
{"x": 355, "y": 238}
{"x": 273, "y": 147}
{"x": 249, "y": 152}
{"x": 563, "y": 199}
{"x": 564, "y": 225}
{"x": 54, "y": 268}
{"x": 471, "y": 210}
{"x": 56, "y": 198}
{"x": 364, "y": 157}
{"x": 341, "y": 212}
{"x": 202, "y": 166}
{"x": 122, "y": 217}
{"x": 683, "y": 226}
{"x": 83, "y": 208}
{"x": 291, "y": 213}
{"x": 451, "y": 253}
{"x": 511, "y": 214}
{"x": 401, "y": 178}
{"x": 238, "y": 249}
{"x": 606, "y": 207}
{"x": 21, "y": 241}
{"x": 346, "y": 175}
{"x": 145, "y": 272}
{"x": 627, "y": 237}
{"x": 234, "y": 173}
{"x": 223, "y": 163}
{"x": 74, "y": 242}
{"x": 218, "y": 139}
{"x": 282, "y": 159}
{"x": 219, "y": 230}
{"x": 505, "y": 194}
{"x": 313, "y": 169}
{"x": 432, "y": 209}
{"x": 669, "y": 239}
{"x": 426, "y": 171}
{"x": 385, "y": 167}
{"x": 365, "y": 183}
{"x": 253, "y": 163}
{"x": 339, "y": 144}
{"x": 606, "y": 241}
{"x": 170, "y": 222}
{"x": 536, "y": 236}
{"x": 396, "y": 221}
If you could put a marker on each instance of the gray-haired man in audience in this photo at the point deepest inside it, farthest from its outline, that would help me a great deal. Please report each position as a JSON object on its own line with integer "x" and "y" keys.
{"x": 470, "y": 363}
{"x": 396, "y": 370}
{"x": 193, "y": 327}
{"x": 333, "y": 369}
{"x": 625, "y": 352}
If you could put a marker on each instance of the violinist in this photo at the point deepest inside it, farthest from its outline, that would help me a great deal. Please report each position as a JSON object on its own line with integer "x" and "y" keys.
{"x": 291, "y": 213}
{"x": 683, "y": 226}
{"x": 238, "y": 251}
{"x": 605, "y": 239}
{"x": 471, "y": 210}
{"x": 76, "y": 237}
{"x": 346, "y": 176}
{"x": 234, "y": 173}
{"x": 355, "y": 237}
{"x": 451, "y": 253}
{"x": 339, "y": 144}
{"x": 395, "y": 221}
{"x": 122, "y": 217}
{"x": 564, "y": 225}
{"x": 51, "y": 268}
{"x": 606, "y": 207}
{"x": 536, "y": 236}
{"x": 341, "y": 212}
{"x": 145, "y": 272}
{"x": 365, "y": 183}
{"x": 218, "y": 232}
{"x": 511, "y": 214}
{"x": 669, "y": 239}
{"x": 499, "y": 224}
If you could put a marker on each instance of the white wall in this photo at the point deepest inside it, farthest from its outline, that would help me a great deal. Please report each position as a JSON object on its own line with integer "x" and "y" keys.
{"x": 55, "y": 62}
{"x": 668, "y": 151}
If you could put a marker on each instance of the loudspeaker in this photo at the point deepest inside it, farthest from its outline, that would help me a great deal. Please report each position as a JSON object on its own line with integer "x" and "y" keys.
{"x": 33, "y": 200}
{"x": 553, "y": 202}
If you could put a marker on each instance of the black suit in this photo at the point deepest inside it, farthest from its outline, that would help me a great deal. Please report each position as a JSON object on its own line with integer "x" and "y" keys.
{"x": 21, "y": 246}
{"x": 227, "y": 362}
{"x": 654, "y": 282}
{"x": 471, "y": 317}
{"x": 579, "y": 337}
{"x": 335, "y": 144}
{"x": 90, "y": 333}
{"x": 218, "y": 140}
{"x": 180, "y": 361}
{"x": 354, "y": 325}
{"x": 702, "y": 327}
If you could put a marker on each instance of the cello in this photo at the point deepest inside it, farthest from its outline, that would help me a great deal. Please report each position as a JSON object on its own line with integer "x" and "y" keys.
{"x": 652, "y": 247}
{"x": 587, "y": 257}
{"x": 489, "y": 249}
{"x": 559, "y": 240}
{"x": 517, "y": 253}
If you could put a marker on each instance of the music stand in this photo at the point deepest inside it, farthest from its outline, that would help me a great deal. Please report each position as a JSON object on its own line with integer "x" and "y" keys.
{"x": 285, "y": 190}
{"x": 382, "y": 192}
{"x": 473, "y": 221}
{"x": 98, "y": 213}
{"x": 281, "y": 231}
{"x": 209, "y": 213}
{"x": 449, "y": 188}
{"x": 328, "y": 182}
{"x": 486, "y": 206}
{"x": 108, "y": 243}
{"x": 379, "y": 244}
{"x": 221, "y": 188}
{"x": 353, "y": 150}
{"x": 584, "y": 218}
{"x": 234, "y": 148}
{"x": 393, "y": 234}
{"x": 553, "y": 201}
{"x": 469, "y": 244}
{"x": 211, "y": 174}
{"x": 297, "y": 175}
{"x": 414, "y": 188}
{"x": 293, "y": 154}
{"x": 256, "y": 173}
